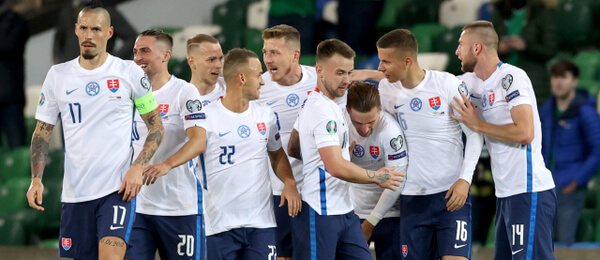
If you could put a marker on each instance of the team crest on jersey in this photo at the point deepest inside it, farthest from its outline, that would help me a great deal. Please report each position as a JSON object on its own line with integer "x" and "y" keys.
{"x": 404, "y": 250}
{"x": 435, "y": 103}
{"x": 243, "y": 131}
{"x": 492, "y": 99}
{"x": 397, "y": 143}
{"x": 374, "y": 150}
{"x": 145, "y": 82}
{"x": 507, "y": 81}
{"x": 113, "y": 85}
{"x": 484, "y": 101}
{"x": 92, "y": 89}
{"x": 358, "y": 151}
{"x": 462, "y": 89}
{"x": 416, "y": 104}
{"x": 42, "y": 100}
{"x": 193, "y": 105}
{"x": 292, "y": 100}
{"x": 163, "y": 109}
{"x": 65, "y": 243}
{"x": 331, "y": 127}
{"x": 261, "y": 128}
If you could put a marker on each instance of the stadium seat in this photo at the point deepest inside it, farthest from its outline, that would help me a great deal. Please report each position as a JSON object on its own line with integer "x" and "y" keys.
{"x": 588, "y": 63}
{"x": 425, "y": 35}
{"x": 330, "y": 13}
{"x": 16, "y": 163}
{"x": 485, "y": 12}
{"x": 458, "y": 12}
{"x": 12, "y": 195}
{"x": 592, "y": 86}
{"x": 49, "y": 243}
{"x": 180, "y": 69}
{"x": 308, "y": 60}
{"x": 258, "y": 15}
{"x": 50, "y": 219}
{"x": 231, "y": 16}
{"x": 387, "y": 19}
{"x": 16, "y": 228}
{"x": 574, "y": 24}
{"x": 447, "y": 42}
{"x": 586, "y": 228}
{"x": 416, "y": 12}
{"x": 433, "y": 60}
{"x": 55, "y": 166}
{"x": 254, "y": 42}
{"x": 30, "y": 124}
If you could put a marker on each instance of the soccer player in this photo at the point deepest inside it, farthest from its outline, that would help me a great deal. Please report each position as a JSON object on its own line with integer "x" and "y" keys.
{"x": 205, "y": 58}
{"x": 287, "y": 85}
{"x": 328, "y": 228}
{"x": 376, "y": 141}
{"x": 240, "y": 136}
{"x": 168, "y": 211}
{"x": 95, "y": 95}
{"x": 435, "y": 203}
{"x": 504, "y": 98}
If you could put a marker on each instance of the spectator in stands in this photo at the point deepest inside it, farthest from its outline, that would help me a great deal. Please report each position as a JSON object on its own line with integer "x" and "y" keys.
{"x": 360, "y": 33}
{"x": 527, "y": 38}
{"x": 66, "y": 45}
{"x": 570, "y": 145}
{"x": 13, "y": 36}
{"x": 299, "y": 14}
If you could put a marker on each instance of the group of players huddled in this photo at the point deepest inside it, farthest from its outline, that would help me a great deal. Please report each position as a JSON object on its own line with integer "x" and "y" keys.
{"x": 299, "y": 162}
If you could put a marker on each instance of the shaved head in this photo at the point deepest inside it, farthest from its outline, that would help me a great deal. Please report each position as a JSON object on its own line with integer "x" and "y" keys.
{"x": 98, "y": 11}
{"x": 482, "y": 32}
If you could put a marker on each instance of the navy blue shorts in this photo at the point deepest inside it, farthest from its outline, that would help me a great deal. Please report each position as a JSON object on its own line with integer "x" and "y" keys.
{"x": 428, "y": 230}
{"x": 283, "y": 232}
{"x": 524, "y": 226}
{"x": 175, "y": 237}
{"x": 386, "y": 237}
{"x": 83, "y": 224}
{"x": 328, "y": 237}
{"x": 243, "y": 243}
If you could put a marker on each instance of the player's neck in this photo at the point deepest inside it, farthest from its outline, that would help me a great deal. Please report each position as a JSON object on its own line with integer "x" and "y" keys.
{"x": 158, "y": 80}
{"x": 96, "y": 62}
{"x": 234, "y": 101}
{"x": 324, "y": 91}
{"x": 414, "y": 78}
{"x": 293, "y": 77}
{"x": 486, "y": 67}
{"x": 203, "y": 87}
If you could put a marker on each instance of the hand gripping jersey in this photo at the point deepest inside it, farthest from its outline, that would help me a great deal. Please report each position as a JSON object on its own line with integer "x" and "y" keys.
{"x": 178, "y": 193}
{"x": 96, "y": 108}
{"x": 321, "y": 124}
{"x": 434, "y": 139}
{"x": 385, "y": 146}
{"x": 516, "y": 168}
{"x": 286, "y": 101}
{"x": 237, "y": 190}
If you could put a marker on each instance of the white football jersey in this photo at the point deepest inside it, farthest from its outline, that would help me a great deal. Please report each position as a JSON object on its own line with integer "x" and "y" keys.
{"x": 434, "y": 139}
{"x": 321, "y": 123}
{"x": 178, "y": 193}
{"x": 286, "y": 101}
{"x": 96, "y": 108}
{"x": 216, "y": 93}
{"x": 384, "y": 147}
{"x": 237, "y": 190}
{"x": 516, "y": 168}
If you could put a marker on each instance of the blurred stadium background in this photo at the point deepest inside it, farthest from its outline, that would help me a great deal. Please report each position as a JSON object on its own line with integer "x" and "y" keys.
{"x": 28, "y": 234}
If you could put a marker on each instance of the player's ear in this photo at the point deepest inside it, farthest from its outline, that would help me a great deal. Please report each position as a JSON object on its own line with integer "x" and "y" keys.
{"x": 296, "y": 56}
{"x": 167, "y": 56}
{"x": 190, "y": 61}
{"x": 111, "y": 31}
{"x": 242, "y": 78}
{"x": 319, "y": 70}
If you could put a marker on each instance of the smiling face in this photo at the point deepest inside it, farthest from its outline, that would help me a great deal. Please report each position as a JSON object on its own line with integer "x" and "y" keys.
{"x": 93, "y": 31}
{"x": 149, "y": 54}
{"x": 334, "y": 73}
{"x": 206, "y": 61}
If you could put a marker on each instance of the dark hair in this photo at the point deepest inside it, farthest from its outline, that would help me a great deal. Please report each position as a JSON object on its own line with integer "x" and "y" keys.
{"x": 363, "y": 97}
{"x": 95, "y": 7}
{"x": 160, "y": 36}
{"x": 197, "y": 39}
{"x": 235, "y": 59}
{"x": 399, "y": 39}
{"x": 288, "y": 33}
{"x": 327, "y": 48}
{"x": 562, "y": 67}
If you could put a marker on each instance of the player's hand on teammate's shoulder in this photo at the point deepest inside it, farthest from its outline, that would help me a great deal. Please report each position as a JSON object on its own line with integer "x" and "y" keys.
{"x": 132, "y": 183}
{"x": 152, "y": 172}
{"x": 294, "y": 201}
{"x": 35, "y": 193}
{"x": 457, "y": 195}
{"x": 386, "y": 177}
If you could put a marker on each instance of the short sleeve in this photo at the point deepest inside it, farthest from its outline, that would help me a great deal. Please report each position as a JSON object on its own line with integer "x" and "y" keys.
{"x": 516, "y": 88}
{"x": 190, "y": 107}
{"x": 394, "y": 144}
{"x": 140, "y": 83}
{"x": 325, "y": 131}
{"x": 47, "y": 107}
{"x": 274, "y": 142}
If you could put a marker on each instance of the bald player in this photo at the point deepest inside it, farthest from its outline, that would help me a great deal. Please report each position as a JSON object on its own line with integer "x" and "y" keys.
{"x": 504, "y": 110}
{"x": 95, "y": 95}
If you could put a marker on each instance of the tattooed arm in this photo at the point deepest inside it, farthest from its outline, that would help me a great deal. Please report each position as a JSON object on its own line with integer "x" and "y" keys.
{"x": 132, "y": 183}
{"x": 338, "y": 167}
{"x": 39, "y": 152}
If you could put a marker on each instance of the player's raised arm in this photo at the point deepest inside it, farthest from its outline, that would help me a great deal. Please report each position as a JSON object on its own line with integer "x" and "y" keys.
{"x": 39, "y": 153}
